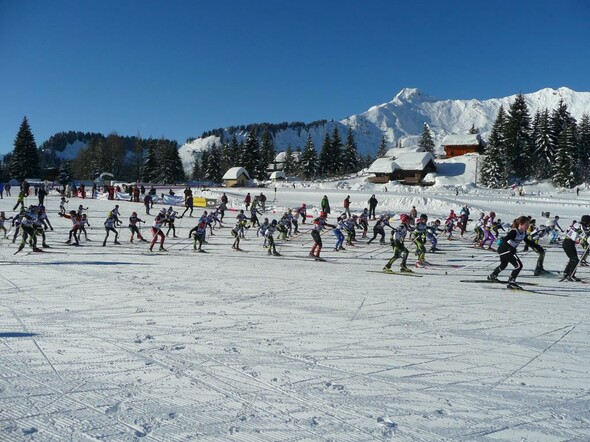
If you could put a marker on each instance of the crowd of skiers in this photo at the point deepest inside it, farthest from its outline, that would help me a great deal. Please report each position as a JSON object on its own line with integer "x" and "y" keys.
{"x": 408, "y": 228}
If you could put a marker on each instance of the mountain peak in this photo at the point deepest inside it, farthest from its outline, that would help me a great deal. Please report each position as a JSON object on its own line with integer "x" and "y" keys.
{"x": 407, "y": 94}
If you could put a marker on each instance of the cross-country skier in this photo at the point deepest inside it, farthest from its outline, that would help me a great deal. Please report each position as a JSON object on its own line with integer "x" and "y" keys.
{"x": 109, "y": 226}
{"x": 432, "y": 234}
{"x": 76, "y": 225}
{"x": 272, "y": 249}
{"x": 159, "y": 221}
{"x": 478, "y": 229}
{"x": 507, "y": 251}
{"x": 463, "y": 218}
{"x": 379, "y": 229}
{"x": 575, "y": 233}
{"x": 488, "y": 233}
{"x": 62, "y": 205}
{"x": 171, "y": 217}
{"x": 398, "y": 235}
{"x": 303, "y": 212}
{"x": 42, "y": 215}
{"x": 553, "y": 226}
{"x": 419, "y": 238}
{"x": 133, "y": 221}
{"x": 340, "y": 225}
{"x": 319, "y": 224}
{"x": 236, "y": 232}
{"x": 3, "y": 219}
{"x": 534, "y": 234}
{"x": 198, "y": 233}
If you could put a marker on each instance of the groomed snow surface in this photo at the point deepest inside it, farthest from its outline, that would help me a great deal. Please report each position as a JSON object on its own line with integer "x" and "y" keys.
{"x": 116, "y": 344}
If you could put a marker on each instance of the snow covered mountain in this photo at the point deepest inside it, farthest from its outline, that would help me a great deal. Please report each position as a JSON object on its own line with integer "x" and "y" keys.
{"x": 402, "y": 119}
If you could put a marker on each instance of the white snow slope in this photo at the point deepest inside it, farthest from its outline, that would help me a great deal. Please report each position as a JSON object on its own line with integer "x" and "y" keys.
{"x": 403, "y": 118}
{"x": 114, "y": 344}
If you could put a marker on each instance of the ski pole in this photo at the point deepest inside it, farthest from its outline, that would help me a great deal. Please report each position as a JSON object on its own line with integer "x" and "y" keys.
{"x": 477, "y": 262}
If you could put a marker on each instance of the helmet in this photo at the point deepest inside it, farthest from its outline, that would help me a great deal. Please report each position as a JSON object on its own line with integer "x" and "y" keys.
{"x": 274, "y": 222}
{"x": 404, "y": 218}
{"x": 424, "y": 217}
{"x": 265, "y": 220}
{"x": 303, "y": 205}
{"x": 204, "y": 212}
{"x": 556, "y": 216}
{"x": 163, "y": 212}
{"x": 110, "y": 214}
{"x": 134, "y": 214}
{"x": 492, "y": 214}
{"x": 437, "y": 222}
{"x": 585, "y": 220}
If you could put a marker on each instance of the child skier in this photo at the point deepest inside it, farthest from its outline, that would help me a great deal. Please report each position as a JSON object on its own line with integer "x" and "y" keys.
{"x": 575, "y": 233}
{"x": 133, "y": 221}
{"x": 109, "y": 226}
{"x": 318, "y": 225}
{"x": 398, "y": 235}
{"x": 159, "y": 221}
{"x": 507, "y": 251}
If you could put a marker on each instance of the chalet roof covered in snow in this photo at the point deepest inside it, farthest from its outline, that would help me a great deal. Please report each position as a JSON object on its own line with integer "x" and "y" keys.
{"x": 396, "y": 151}
{"x": 462, "y": 140}
{"x": 234, "y": 173}
{"x": 414, "y": 160}
{"x": 278, "y": 175}
{"x": 383, "y": 165}
{"x": 404, "y": 161}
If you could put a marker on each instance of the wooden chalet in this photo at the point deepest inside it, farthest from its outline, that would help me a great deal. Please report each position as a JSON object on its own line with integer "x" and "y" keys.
{"x": 236, "y": 177}
{"x": 455, "y": 145}
{"x": 407, "y": 168}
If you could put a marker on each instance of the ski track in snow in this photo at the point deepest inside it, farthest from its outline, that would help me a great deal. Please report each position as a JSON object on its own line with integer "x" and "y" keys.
{"x": 112, "y": 344}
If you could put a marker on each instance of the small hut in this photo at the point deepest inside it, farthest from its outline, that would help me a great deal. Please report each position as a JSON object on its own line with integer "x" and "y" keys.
{"x": 407, "y": 168}
{"x": 236, "y": 177}
{"x": 278, "y": 175}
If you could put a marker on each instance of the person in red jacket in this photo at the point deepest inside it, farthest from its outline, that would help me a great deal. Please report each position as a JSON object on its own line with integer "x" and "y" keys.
{"x": 347, "y": 206}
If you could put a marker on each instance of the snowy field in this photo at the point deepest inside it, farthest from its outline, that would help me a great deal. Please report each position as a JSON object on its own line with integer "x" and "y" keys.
{"x": 114, "y": 344}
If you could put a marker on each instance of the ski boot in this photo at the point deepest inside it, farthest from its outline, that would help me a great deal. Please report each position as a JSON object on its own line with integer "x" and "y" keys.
{"x": 405, "y": 269}
{"x": 513, "y": 285}
{"x": 117, "y": 243}
{"x": 162, "y": 249}
{"x": 493, "y": 277}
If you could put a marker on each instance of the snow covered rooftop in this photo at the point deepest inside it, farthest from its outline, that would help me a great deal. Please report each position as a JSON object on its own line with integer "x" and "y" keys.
{"x": 396, "y": 151}
{"x": 278, "y": 175}
{"x": 462, "y": 140}
{"x": 234, "y": 173}
{"x": 404, "y": 161}
{"x": 383, "y": 165}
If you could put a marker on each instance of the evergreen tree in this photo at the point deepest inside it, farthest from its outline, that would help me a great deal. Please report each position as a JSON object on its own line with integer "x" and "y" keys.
{"x": 561, "y": 119}
{"x": 250, "y": 154}
{"x": 308, "y": 163}
{"x": 543, "y": 151}
{"x": 289, "y": 164}
{"x": 382, "y": 150}
{"x": 213, "y": 171}
{"x": 367, "y": 161}
{"x": 337, "y": 165}
{"x": 426, "y": 140}
{"x": 170, "y": 168}
{"x": 65, "y": 172}
{"x": 518, "y": 138}
{"x": 474, "y": 130}
{"x": 584, "y": 146}
{"x": 563, "y": 168}
{"x": 137, "y": 158}
{"x": 25, "y": 156}
{"x": 205, "y": 164}
{"x": 150, "y": 166}
{"x": 197, "y": 173}
{"x": 493, "y": 169}
{"x": 350, "y": 158}
{"x": 325, "y": 165}
{"x": 267, "y": 150}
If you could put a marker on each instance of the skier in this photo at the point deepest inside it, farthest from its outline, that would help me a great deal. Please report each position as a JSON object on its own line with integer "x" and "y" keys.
{"x": 28, "y": 232}
{"x": 62, "y": 205}
{"x": 479, "y": 224}
{"x": 198, "y": 233}
{"x": 379, "y": 229}
{"x": 507, "y": 251}
{"x": 76, "y": 225}
{"x": 115, "y": 212}
{"x": 42, "y": 214}
{"x": 133, "y": 221}
{"x": 318, "y": 225}
{"x": 398, "y": 236}
{"x": 3, "y": 219}
{"x": 247, "y": 200}
{"x": 340, "y": 225}
{"x": 463, "y": 218}
{"x": 83, "y": 223}
{"x": 488, "y": 234}
{"x": 20, "y": 201}
{"x": 419, "y": 238}
{"x": 253, "y": 216}
{"x": 554, "y": 225}
{"x": 364, "y": 221}
{"x": 303, "y": 212}
{"x": 171, "y": 217}
{"x": 188, "y": 203}
{"x": 262, "y": 230}
{"x": 577, "y": 232}
{"x": 159, "y": 221}
{"x": 109, "y": 226}
{"x": 432, "y": 234}
{"x": 450, "y": 224}
{"x": 534, "y": 234}
{"x": 272, "y": 250}
{"x": 236, "y": 232}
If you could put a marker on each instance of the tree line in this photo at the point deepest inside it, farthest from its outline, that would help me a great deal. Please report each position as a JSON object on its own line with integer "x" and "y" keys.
{"x": 552, "y": 145}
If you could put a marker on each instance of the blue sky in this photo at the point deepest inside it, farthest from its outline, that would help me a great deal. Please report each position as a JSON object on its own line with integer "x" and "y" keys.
{"x": 178, "y": 68}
